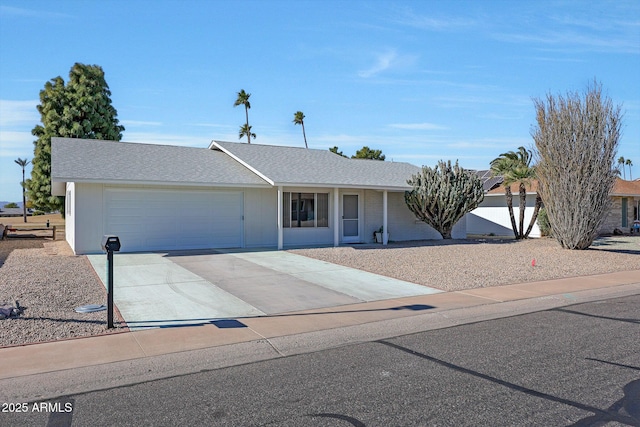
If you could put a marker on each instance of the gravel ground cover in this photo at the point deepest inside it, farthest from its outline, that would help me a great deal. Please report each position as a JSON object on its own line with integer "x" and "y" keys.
{"x": 50, "y": 282}
{"x": 47, "y": 279}
{"x": 466, "y": 264}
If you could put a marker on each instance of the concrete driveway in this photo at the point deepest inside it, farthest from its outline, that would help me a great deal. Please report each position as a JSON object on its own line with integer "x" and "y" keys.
{"x": 195, "y": 287}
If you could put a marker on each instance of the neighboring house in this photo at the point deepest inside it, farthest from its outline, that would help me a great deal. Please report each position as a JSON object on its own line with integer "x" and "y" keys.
{"x": 625, "y": 198}
{"x": 13, "y": 212}
{"x": 492, "y": 216}
{"x": 231, "y": 195}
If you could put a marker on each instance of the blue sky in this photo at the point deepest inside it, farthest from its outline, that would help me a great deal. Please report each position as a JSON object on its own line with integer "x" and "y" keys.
{"x": 421, "y": 80}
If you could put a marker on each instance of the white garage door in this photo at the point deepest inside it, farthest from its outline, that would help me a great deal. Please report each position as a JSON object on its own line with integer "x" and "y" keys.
{"x": 156, "y": 220}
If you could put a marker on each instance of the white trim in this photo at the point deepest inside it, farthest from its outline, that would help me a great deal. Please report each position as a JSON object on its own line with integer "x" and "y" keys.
{"x": 385, "y": 232}
{"x": 279, "y": 221}
{"x": 336, "y": 217}
{"x": 160, "y": 183}
{"x": 242, "y": 162}
{"x": 360, "y": 200}
{"x": 345, "y": 186}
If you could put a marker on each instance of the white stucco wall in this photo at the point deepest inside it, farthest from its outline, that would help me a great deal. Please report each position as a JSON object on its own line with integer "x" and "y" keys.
{"x": 260, "y": 210}
{"x": 401, "y": 222}
{"x": 88, "y": 218}
{"x": 86, "y": 222}
{"x": 69, "y": 217}
{"x": 492, "y": 216}
{"x": 88, "y": 215}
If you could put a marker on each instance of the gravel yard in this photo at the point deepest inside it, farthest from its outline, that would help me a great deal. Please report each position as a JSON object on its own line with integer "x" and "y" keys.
{"x": 465, "y": 264}
{"x": 50, "y": 282}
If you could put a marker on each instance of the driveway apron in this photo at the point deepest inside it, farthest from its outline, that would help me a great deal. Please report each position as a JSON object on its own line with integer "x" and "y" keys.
{"x": 195, "y": 287}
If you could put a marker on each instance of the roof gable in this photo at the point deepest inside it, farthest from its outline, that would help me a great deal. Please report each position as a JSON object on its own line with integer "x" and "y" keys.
{"x": 295, "y": 166}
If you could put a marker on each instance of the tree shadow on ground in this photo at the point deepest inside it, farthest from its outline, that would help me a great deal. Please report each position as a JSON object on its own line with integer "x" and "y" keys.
{"x": 433, "y": 243}
{"x": 617, "y": 244}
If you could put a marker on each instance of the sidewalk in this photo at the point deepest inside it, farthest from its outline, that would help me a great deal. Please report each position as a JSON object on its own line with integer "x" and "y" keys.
{"x": 98, "y": 350}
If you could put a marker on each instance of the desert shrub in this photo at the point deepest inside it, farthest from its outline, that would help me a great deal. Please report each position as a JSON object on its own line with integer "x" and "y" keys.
{"x": 442, "y": 195}
{"x": 543, "y": 222}
{"x": 576, "y": 139}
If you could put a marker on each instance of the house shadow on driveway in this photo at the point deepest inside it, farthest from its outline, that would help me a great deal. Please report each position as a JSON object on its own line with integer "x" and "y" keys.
{"x": 232, "y": 323}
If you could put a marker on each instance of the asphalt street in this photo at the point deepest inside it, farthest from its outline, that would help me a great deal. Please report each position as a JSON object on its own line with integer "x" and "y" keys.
{"x": 571, "y": 366}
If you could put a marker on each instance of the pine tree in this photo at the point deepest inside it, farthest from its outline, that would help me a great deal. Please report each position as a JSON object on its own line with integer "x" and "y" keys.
{"x": 80, "y": 109}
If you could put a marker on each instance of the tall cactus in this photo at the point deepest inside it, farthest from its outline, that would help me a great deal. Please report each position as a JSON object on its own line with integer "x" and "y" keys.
{"x": 442, "y": 195}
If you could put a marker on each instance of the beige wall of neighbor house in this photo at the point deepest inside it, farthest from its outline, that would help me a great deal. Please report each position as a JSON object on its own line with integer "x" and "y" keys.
{"x": 616, "y": 217}
{"x": 625, "y": 201}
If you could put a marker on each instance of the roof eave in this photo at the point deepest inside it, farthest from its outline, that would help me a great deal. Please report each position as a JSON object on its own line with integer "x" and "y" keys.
{"x": 158, "y": 183}
{"x": 334, "y": 185}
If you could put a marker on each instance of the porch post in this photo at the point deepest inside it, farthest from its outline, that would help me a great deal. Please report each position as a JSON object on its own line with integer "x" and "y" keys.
{"x": 336, "y": 217}
{"x": 279, "y": 210}
{"x": 384, "y": 218}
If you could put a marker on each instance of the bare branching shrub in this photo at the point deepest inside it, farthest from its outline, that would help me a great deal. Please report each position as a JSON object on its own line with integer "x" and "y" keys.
{"x": 576, "y": 139}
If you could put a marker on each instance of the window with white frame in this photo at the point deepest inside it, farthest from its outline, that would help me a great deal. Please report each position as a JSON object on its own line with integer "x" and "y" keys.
{"x": 300, "y": 210}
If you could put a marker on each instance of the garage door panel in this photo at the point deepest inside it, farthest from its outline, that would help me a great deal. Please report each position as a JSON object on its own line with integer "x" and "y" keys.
{"x": 162, "y": 219}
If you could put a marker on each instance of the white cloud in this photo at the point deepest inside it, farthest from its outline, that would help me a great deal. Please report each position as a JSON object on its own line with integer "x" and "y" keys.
{"x": 16, "y": 144}
{"x": 18, "y": 113}
{"x": 10, "y": 11}
{"x": 387, "y": 60}
{"x": 417, "y": 126}
{"x": 139, "y": 123}
{"x": 493, "y": 143}
{"x": 210, "y": 125}
{"x": 571, "y": 41}
{"x": 430, "y": 23}
{"x": 383, "y": 62}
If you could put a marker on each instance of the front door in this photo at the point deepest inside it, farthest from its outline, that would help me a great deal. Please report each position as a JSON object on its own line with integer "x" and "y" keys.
{"x": 350, "y": 221}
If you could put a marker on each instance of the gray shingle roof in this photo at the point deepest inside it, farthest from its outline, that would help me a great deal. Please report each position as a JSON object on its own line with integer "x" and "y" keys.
{"x": 90, "y": 160}
{"x": 310, "y": 167}
{"x": 225, "y": 164}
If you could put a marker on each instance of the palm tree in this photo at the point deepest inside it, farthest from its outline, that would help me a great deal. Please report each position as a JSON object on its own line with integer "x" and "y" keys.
{"x": 298, "y": 119}
{"x": 621, "y": 162}
{"x": 243, "y": 99}
{"x": 23, "y": 163}
{"x": 502, "y": 166}
{"x": 629, "y": 163}
{"x": 516, "y": 167}
{"x": 245, "y": 130}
